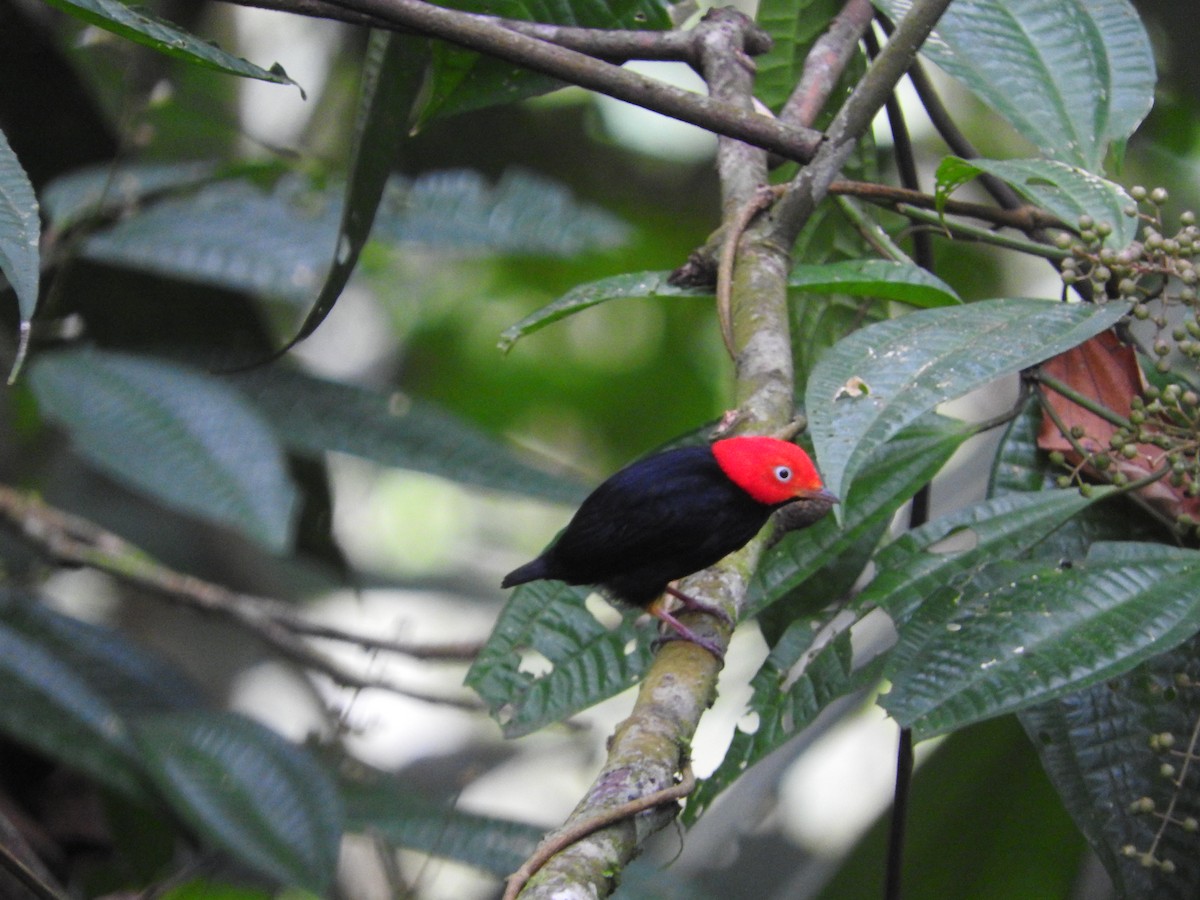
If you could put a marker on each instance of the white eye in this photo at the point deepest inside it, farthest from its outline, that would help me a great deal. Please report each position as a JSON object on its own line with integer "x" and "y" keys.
{"x": 783, "y": 473}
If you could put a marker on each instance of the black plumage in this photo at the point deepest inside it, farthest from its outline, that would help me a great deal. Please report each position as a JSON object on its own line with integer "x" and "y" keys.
{"x": 659, "y": 519}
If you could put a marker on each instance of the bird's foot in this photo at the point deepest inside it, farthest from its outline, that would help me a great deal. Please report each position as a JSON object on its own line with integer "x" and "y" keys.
{"x": 695, "y": 605}
{"x": 682, "y": 632}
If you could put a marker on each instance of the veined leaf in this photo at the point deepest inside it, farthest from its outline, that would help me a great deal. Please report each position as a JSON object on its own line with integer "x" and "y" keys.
{"x": 143, "y": 28}
{"x": 1064, "y": 190}
{"x": 95, "y": 190}
{"x": 588, "y": 663}
{"x": 884, "y": 376}
{"x": 1102, "y": 750}
{"x": 794, "y": 25}
{"x": 1072, "y": 76}
{"x": 1024, "y": 633}
{"x": 249, "y": 791}
{"x": 174, "y": 434}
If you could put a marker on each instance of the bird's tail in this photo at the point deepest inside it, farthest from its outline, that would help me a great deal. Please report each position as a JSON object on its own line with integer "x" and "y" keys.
{"x": 531, "y": 571}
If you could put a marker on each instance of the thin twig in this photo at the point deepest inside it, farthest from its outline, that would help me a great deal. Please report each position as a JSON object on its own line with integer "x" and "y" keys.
{"x": 73, "y": 540}
{"x": 560, "y": 840}
{"x": 761, "y": 199}
{"x": 825, "y": 63}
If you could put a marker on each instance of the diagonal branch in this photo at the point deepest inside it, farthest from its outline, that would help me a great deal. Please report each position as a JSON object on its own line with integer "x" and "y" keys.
{"x": 74, "y": 541}
{"x": 487, "y": 35}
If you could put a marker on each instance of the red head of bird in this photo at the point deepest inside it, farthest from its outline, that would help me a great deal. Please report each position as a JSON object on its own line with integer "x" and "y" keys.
{"x": 768, "y": 469}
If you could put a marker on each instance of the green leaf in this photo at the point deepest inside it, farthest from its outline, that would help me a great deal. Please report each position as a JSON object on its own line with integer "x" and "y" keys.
{"x": 148, "y": 30}
{"x": 899, "y": 469}
{"x": 584, "y": 661}
{"x": 245, "y": 789}
{"x": 48, "y": 704}
{"x": 1024, "y": 633}
{"x": 1071, "y": 76}
{"x": 313, "y": 416}
{"x": 919, "y": 565}
{"x": 1097, "y": 748}
{"x": 1063, "y": 190}
{"x": 820, "y": 321}
{"x": 393, "y": 74}
{"x": 464, "y": 80}
{"x": 168, "y": 431}
{"x": 640, "y": 285}
{"x": 793, "y": 26}
{"x": 388, "y": 807}
{"x": 20, "y": 231}
{"x": 884, "y": 376}
{"x": 879, "y": 278}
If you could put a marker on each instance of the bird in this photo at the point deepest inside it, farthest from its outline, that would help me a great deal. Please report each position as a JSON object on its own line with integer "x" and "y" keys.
{"x": 676, "y": 512}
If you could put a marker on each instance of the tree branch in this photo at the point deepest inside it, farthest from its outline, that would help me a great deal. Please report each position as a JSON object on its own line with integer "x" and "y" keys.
{"x": 487, "y": 36}
{"x": 649, "y": 747}
{"x": 74, "y": 541}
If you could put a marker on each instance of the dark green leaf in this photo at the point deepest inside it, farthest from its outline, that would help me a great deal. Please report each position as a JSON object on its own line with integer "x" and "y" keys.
{"x": 1070, "y": 76}
{"x": 247, "y": 790}
{"x": 1023, "y": 633}
{"x": 819, "y": 322}
{"x": 141, "y": 27}
{"x": 586, "y": 662}
{"x": 393, "y": 74}
{"x": 888, "y": 374}
{"x": 793, "y": 26}
{"x": 879, "y": 278}
{"x": 464, "y": 80}
{"x": 313, "y": 416}
{"x": 1061, "y": 189}
{"x": 172, "y": 433}
{"x": 388, "y": 807}
{"x": 900, "y": 468}
{"x": 641, "y": 285}
{"x": 20, "y": 231}
{"x": 1097, "y": 747}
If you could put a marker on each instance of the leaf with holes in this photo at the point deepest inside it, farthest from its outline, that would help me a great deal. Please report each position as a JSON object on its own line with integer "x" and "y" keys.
{"x": 1021, "y": 633}
{"x": 586, "y": 661}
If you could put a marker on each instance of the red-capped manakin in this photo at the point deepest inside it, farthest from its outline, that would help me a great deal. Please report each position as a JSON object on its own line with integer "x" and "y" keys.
{"x": 675, "y": 513}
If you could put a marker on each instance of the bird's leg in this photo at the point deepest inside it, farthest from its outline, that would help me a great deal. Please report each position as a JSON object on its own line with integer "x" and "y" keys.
{"x": 656, "y": 609}
{"x": 696, "y": 606}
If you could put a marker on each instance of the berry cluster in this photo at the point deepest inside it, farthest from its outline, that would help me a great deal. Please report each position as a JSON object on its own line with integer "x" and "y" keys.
{"x": 1159, "y": 438}
{"x": 1156, "y": 274}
